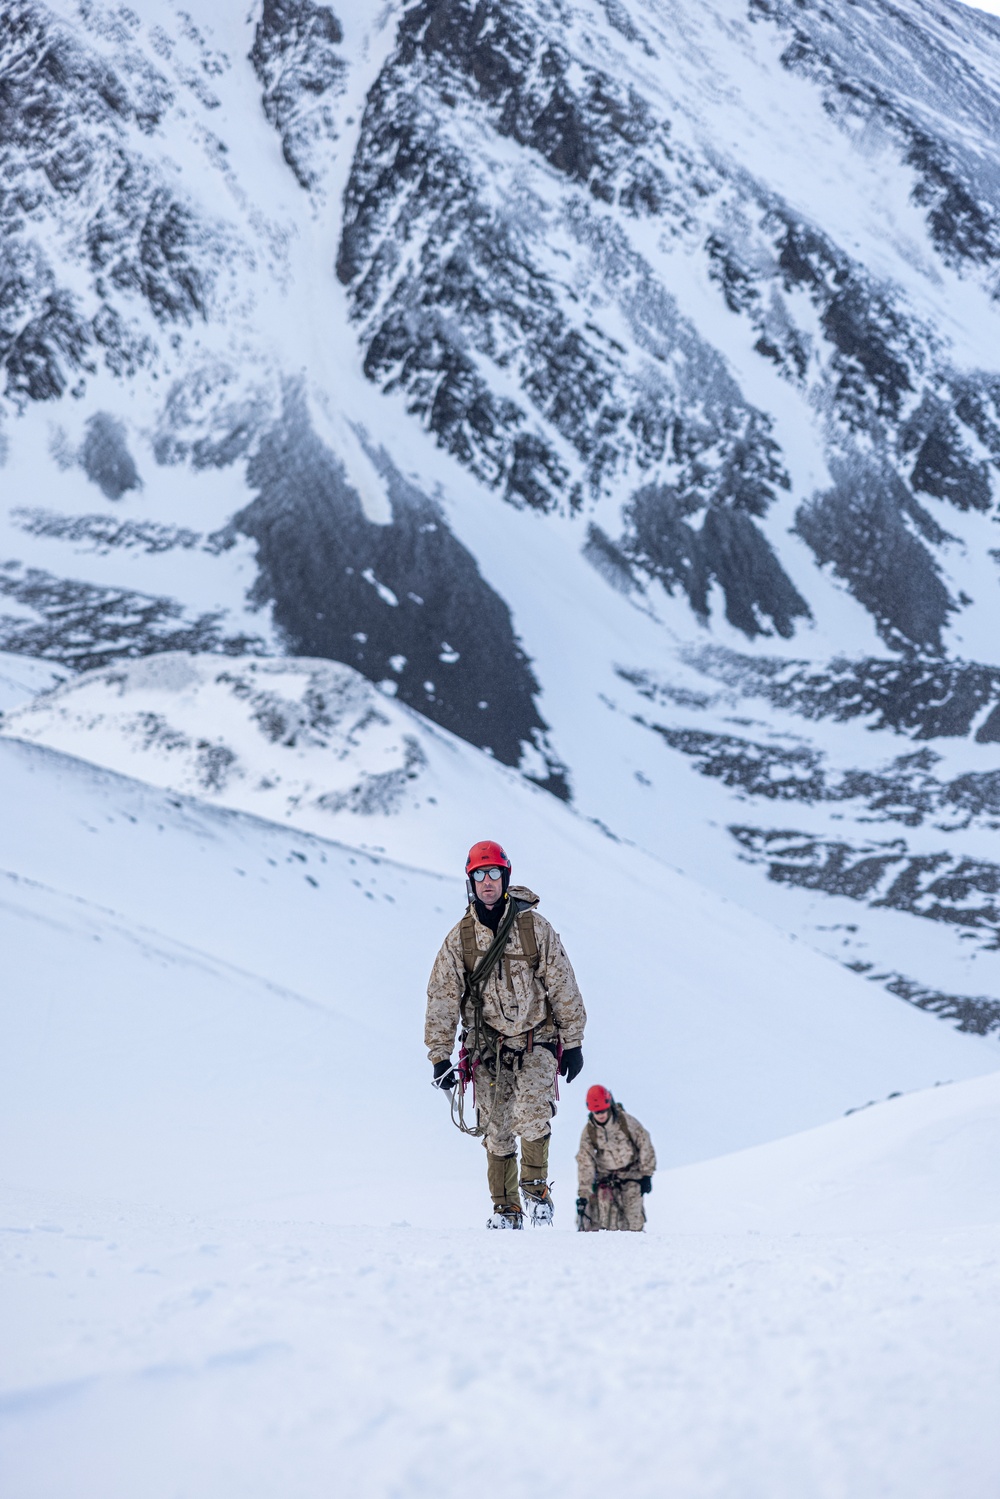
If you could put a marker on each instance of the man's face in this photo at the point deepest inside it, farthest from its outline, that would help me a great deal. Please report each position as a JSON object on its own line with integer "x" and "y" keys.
{"x": 602, "y": 1116}
{"x": 488, "y": 890}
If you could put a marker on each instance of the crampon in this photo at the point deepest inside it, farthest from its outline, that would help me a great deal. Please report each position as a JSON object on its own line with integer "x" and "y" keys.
{"x": 538, "y": 1202}
{"x": 505, "y": 1217}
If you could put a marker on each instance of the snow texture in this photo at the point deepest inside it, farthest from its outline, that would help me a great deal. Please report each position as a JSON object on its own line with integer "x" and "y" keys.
{"x": 243, "y": 1248}
{"x": 577, "y": 424}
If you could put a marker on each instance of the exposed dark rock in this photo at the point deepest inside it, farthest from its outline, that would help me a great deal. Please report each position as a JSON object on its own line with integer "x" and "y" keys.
{"x": 211, "y": 418}
{"x": 42, "y": 356}
{"x": 858, "y": 528}
{"x": 403, "y": 603}
{"x": 845, "y": 54}
{"x": 593, "y": 129}
{"x": 875, "y": 353}
{"x": 905, "y": 790}
{"x": 728, "y": 548}
{"x": 938, "y": 887}
{"x": 455, "y": 309}
{"x": 83, "y": 625}
{"x": 609, "y": 560}
{"x": 926, "y": 698}
{"x": 978, "y": 1015}
{"x": 496, "y": 356}
{"x": 943, "y": 465}
{"x": 65, "y": 117}
{"x": 295, "y": 55}
{"x": 145, "y": 240}
{"x": 976, "y": 401}
{"x": 106, "y": 459}
{"x": 105, "y": 532}
{"x": 989, "y": 730}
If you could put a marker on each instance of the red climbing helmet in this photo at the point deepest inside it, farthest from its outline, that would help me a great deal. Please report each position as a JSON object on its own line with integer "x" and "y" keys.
{"x": 598, "y": 1099}
{"x": 486, "y": 855}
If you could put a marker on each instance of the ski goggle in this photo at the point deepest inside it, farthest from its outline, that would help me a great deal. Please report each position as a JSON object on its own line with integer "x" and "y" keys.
{"x": 480, "y": 874}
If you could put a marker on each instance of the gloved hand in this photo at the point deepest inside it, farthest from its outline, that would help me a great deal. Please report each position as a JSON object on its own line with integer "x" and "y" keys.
{"x": 444, "y": 1075}
{"x": 646, "y": 1185}
{"x": 581, "y": 1204}
{"x": 571, "y": 1063}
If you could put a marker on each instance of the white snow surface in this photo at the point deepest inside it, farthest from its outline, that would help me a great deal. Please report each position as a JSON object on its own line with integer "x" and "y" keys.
{"x": 21, "y": 678}
{"x": 244, "y": 1252}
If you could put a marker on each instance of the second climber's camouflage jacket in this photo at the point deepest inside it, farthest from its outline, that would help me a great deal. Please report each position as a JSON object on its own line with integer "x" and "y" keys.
{"x": 516, "y": 998}
{"x": 621, "y": 1147}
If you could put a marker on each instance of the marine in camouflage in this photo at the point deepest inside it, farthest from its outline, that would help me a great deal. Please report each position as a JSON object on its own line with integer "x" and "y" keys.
{"x": 530, "y": 1010}
{"x": 516, "y": 998}
{"x": 612, "y": 1160}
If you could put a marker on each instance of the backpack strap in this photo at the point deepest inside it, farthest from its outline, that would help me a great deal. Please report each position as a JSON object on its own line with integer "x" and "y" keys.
{"x": 526, "y": 932}
{"x": 619, "y": 1120}
{"x": 470, "y": 952}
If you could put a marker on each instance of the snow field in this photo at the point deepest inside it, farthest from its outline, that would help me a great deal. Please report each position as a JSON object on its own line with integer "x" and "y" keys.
{"x": 243, "y": 1251}
{"x": 209, "y": 1356}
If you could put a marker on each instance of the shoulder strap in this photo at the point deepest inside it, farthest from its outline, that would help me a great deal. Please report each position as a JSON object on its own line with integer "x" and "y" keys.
{"x": 526, "y": 932}
{"x": 470, "y": 952}
{"x": 620, "y": 1119}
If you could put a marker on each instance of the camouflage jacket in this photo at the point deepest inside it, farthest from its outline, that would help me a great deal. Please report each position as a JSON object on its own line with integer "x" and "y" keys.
{"x": 606, "y": 1148}
{"x": 516, "y": 999}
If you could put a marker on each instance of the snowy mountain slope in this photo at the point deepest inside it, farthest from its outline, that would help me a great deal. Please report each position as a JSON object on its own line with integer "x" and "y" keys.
{"x": 21, "y": 678}
{"x": 312, "y": 744}
{"x": 155, "y": 901}
{"x": 227, "y": 1356}
{"x": 192, "y": 1301}
{"x": 920, "y": 1163}
{"x": 631, "y": 374}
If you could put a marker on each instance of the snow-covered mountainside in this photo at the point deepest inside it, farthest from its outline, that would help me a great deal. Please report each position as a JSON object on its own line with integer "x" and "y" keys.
{"x": 118, "y": 893}
{"x": 614, "y": 385}
{"x": 239, "y": 1239}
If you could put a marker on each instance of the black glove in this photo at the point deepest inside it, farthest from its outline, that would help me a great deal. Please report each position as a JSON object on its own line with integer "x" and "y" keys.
{"x": 646, "y": 1185}
{"x": 571, "y": 1063}
{"x": 581, "y": 1204}
{"x": 444, "y": 1075}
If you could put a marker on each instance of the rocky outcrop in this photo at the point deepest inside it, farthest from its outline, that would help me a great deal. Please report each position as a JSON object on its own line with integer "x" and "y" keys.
{"x": 83, "y": 625}
{"x": 501, "y": 350}
{"x": 296, "y": 56}
{"x": 405, "y": 603}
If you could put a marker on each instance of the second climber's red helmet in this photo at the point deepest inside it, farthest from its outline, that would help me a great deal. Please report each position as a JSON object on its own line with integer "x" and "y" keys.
{"x": 486, "y": 855}
{"x": 598, "y": 1099}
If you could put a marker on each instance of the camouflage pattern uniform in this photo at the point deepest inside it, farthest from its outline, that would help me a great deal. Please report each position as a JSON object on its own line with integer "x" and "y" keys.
{"x": 532, "y": 1010}
{"x": 611, "y": 1166}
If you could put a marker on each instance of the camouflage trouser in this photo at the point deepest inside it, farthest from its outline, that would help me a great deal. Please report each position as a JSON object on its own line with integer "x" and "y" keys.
{"x": 616, "y": 1205}
{"x": 520, "y": 1101}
